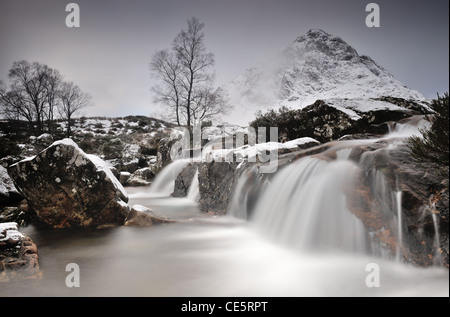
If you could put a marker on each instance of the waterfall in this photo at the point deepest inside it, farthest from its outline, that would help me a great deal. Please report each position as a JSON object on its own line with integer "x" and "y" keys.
{"x": 163, "y": 184}
{"x": 194, "y": 190}
{"x": 398, "y": 196}
{"x": 437, "y": 238}
{"x": 305, "y": 207}
{"x": 246, "y": 193}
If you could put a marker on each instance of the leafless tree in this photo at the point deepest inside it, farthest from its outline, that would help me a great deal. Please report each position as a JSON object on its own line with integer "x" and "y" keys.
{"x": 168, "y": 68}
{"x": 208, "y": 102}
{"x": 185, "y": 72}
{"x": 32, "y": 93}
{"x": 72, "y": 100}
{"x": 54, "y": 82}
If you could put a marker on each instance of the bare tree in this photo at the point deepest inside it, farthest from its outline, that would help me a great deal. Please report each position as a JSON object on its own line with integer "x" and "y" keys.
{"x": 54, "y": 82}
{"x": 33, "y": 87}
{"x": 168, "y": 68}
{"x": 186, "y": 76}
{"x": 72, "y": 100}
{"x": 208, "y": 102}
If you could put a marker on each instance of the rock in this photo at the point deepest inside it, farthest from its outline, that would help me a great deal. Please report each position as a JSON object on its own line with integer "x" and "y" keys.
{"x": 163, "y": 155}
{"x": 332, "y": 122}
{"x": 68, "y": 188}
{"x": 8, "y": 192}
{"x": 144, "y": 217}
{"x": 216, "y": 181}
{"x": 124, "y": 177}
{"x": 141, "y": 177}
{"x": 423, "y": 193}
{"x": 18, "y": 253}
{"x": 43, "y": 141}
{"x": 20, "y": 214}
{"x": 184, "y": 180}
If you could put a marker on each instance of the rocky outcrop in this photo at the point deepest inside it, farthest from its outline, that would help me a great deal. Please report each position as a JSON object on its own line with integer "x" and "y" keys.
{"x": 163, "y": 155}
{"x": 216, "y": 180}
{"x": 18, "y": 253}
{"x": 8, "y": 192}
{"x": 68, "y": 188}
{"x": 140, "y": 216}
{"x": 141, "y": 177}
{"x": 184, "y": 180}
{"x": 334, "y": 119}
{"x": 423, "y": 201}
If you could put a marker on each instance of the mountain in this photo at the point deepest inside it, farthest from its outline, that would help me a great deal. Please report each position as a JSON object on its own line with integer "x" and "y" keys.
{"x": 315, "y": 66}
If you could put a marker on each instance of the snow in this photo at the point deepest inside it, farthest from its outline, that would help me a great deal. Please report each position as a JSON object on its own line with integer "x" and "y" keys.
{"x": 6, "y": 183}
{"x": 44, "y": 136}
{"x": 9, "y": 231}
{"x": 248, "y": 151}
{"x": 141, "y": 208}
{"x": 103, "y": 166}
{"x": 316, "y": 66}
{"x": 80, "y": 158}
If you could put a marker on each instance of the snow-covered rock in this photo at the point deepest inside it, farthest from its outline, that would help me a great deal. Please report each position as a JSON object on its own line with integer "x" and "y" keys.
{"x": 17, "y": 252}
{"x": 8, "y": 191}
{"x": 142, "y": 216}
{"x": 67, "y": 187}
{"x": 141, "y": 177}
{"x": 251, "y": 152}
{"x": 315, "y": 66}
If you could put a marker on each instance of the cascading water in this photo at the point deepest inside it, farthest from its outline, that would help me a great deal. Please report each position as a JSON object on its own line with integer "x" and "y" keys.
{"x": 398, "y": 196}
{"x": 306, "y": 203}
{"x": 164, "y": 182}
{"x": 194, "y": 190}
{"x": 305, "y": 207}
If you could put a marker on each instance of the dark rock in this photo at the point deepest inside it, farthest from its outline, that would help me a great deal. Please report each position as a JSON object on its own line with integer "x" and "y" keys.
{"x": 18, "y": 253}
{"x": 330, "y": 123}
{"x": 424, "y": 193}
{"x": 42, "y": 142}
{"x": 141, "y": 216}
{"x": 412, "y": 105}
{"x": 184, "y": 180}
{"x": 216, "y": 180}
{"x": 124, "y": 177}
{"x": 67, "y": 187}
{"x": 141, "y": 177}
{"x": 9, "y": 196}
{"x": 163, "y": 156}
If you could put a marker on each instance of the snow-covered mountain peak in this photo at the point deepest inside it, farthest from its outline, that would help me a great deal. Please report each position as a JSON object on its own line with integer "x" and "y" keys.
{"x": 317, "y": 40}
{"x": 317, "y": 65}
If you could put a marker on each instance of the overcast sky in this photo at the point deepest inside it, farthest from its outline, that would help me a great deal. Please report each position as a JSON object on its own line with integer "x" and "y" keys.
{"x": 108, "y": 56}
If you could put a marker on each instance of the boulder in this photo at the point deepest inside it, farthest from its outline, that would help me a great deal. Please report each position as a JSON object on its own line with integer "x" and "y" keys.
{"x": 216, "y": 181}
{"x": 8, "y": 192}
{"x": 141, "y": 216}
{"x": 184, "y": 180}
{"x": 424, "y": 200}
{"x": 18, "y": 253}
{"x": 124, "y": 177}
{"x": 333, "y": 119}
{"x": 68, "y": 188}
{"x": 141, "y": 177}
{"x": 163, "y": 157}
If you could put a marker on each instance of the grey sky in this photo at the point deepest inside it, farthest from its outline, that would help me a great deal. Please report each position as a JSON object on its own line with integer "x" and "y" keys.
{"x": 108, "y": 56}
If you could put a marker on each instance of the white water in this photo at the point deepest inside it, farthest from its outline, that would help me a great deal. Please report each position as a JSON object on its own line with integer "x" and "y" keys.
{"x": 437, "y": 238}
{"x": 221, "y": 258}
{"x": 163, "y": 184}
{"x": 305, "y": 207}
{"x": 194, "y": 190}
{"x": 398, "y": 196}
{"x": 301, "y": 241}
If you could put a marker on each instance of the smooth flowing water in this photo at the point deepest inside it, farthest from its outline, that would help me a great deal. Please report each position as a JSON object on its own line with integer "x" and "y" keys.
{"x": 300, "y": 240}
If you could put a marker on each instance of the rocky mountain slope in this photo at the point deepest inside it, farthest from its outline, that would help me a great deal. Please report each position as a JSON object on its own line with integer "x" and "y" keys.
{"x": 315, "y": 66}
